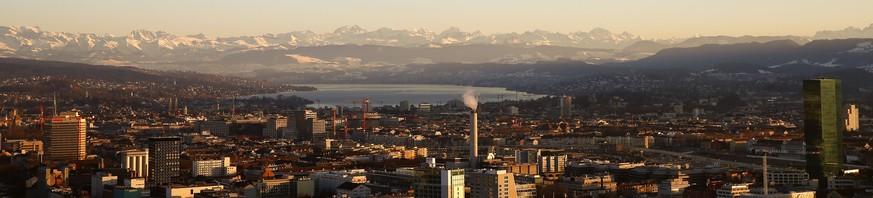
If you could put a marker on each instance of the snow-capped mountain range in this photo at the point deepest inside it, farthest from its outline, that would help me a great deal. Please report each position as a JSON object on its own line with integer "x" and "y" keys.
{"x": 159, "y": 46}
{"x": 162, "y": 50}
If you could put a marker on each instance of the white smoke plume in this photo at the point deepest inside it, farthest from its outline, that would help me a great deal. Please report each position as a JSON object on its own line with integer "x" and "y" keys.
{"x": 471, "y": 98}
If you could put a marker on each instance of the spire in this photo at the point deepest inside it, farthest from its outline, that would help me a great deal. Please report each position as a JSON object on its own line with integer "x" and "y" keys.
{"x": 55, "y": 99}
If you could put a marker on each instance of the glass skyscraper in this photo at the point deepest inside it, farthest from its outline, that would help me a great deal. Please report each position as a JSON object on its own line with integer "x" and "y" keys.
{"x": 823, "y": 127}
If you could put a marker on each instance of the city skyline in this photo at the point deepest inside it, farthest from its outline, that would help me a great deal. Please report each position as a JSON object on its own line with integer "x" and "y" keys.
{"x": 675, "y": 19}
{"x": 519, "y": 99}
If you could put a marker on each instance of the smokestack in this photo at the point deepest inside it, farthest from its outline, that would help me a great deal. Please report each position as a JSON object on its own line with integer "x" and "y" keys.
{"x": 472, "y": 101}
{"x": 474, "y": 139}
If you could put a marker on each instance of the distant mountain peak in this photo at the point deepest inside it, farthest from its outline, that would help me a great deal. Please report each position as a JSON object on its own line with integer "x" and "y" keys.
{"x": 144, "y": 46}
{"x": 353, "y": 29}
{"x": 142, "y": 34}
{"x": 849, "y": 32}
{"x": 452, "y": 30}
{"x": 33, "y": 29}
{"x": 599, "y": 30}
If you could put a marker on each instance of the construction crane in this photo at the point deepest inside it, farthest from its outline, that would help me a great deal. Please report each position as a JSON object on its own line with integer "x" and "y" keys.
{"x": 365, "y": 103}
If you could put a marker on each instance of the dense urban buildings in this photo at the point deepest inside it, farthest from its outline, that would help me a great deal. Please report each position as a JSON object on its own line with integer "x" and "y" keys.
{"x": 708, "y": 144}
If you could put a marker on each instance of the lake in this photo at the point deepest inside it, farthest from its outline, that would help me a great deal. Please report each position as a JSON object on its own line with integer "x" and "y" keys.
{"x": 392, "y": 94}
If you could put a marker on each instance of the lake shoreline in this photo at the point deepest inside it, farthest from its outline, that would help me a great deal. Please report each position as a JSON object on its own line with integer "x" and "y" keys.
{"x": 393, "y": 94}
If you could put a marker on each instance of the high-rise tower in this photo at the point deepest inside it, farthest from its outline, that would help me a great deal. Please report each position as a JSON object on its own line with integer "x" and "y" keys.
{"x": 65, "y": 137}
{"x": 823, "y": 127}
{"x": 852, "y": 116}
{"x": 566, "y": 106}
{"x": 163, "y": 160}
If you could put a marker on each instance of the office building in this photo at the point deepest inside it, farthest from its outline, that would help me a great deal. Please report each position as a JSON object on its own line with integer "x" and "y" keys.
{"x": 823, "y": 128}
{"x": 353, "y": 190}
{"x": 852, "y": 118}
{"x": 99, "y": 180}
{"x": 302, "y": 187}
{"x": 437, "y": 183}
{"x": 523, "y": 169}
{"x": 317, "y": 130}
{"x": 27, "y": 146}
{"x": 219, "y": 128}
{"x": 552, "y": 164}
{"x": 213, "y": 168}
{"x": 163, "y": 160}
{"x": 592, "y": 185}
{"x": 308, "y": 126}
{"x": 673, "y": 187}
{"x": 136, "y": 161}
{"x": 136, "y": 183}
{"x": 314, "y": 130}
{"x": 299, "y": 116}
{"x": 127, "y": 193}
{"x": 526, "y": 190}
{"x": 404, "y": 106}
{"x": 527, "y": 156}
{"x": 492, "y": 183}
{"x": 327, "y": 182}
{"x": 274, "y": 187}
{"x": 65, "y": 137}
{"x": 566, "y": 106}
{"x": 424, "y": 107}
{"x": 788, "y": 178}
{"x": 189, "y": 191}
{"x": 274, "y": 126}
{"x": 732, "y": 190}
{"x": 512, "y": 110}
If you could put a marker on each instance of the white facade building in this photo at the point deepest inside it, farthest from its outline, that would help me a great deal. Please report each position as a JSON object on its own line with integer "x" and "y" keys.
{"x": 136, "y": 161}
{"x": 189, "y": 191}
{"x": 213, "y": 168}
{"x": 327, "y": 182}
{"x": 852, "y": 118}
{"x": 452, "y": 183}
{"x": 673, "y": 187}
{"x": 732, "y": 190}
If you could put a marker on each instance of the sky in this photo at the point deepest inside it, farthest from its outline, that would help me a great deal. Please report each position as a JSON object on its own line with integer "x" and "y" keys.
{"x": 647, "y": 18}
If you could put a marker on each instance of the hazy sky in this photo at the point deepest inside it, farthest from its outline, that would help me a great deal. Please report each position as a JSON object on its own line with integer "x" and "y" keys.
{"x": 648, "y": 18}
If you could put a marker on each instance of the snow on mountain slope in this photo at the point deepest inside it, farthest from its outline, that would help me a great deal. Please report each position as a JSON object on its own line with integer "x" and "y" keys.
{"x": 159, "y": 46}
{"x": 831, "y": 63}
{"x": 864, "y": 47}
